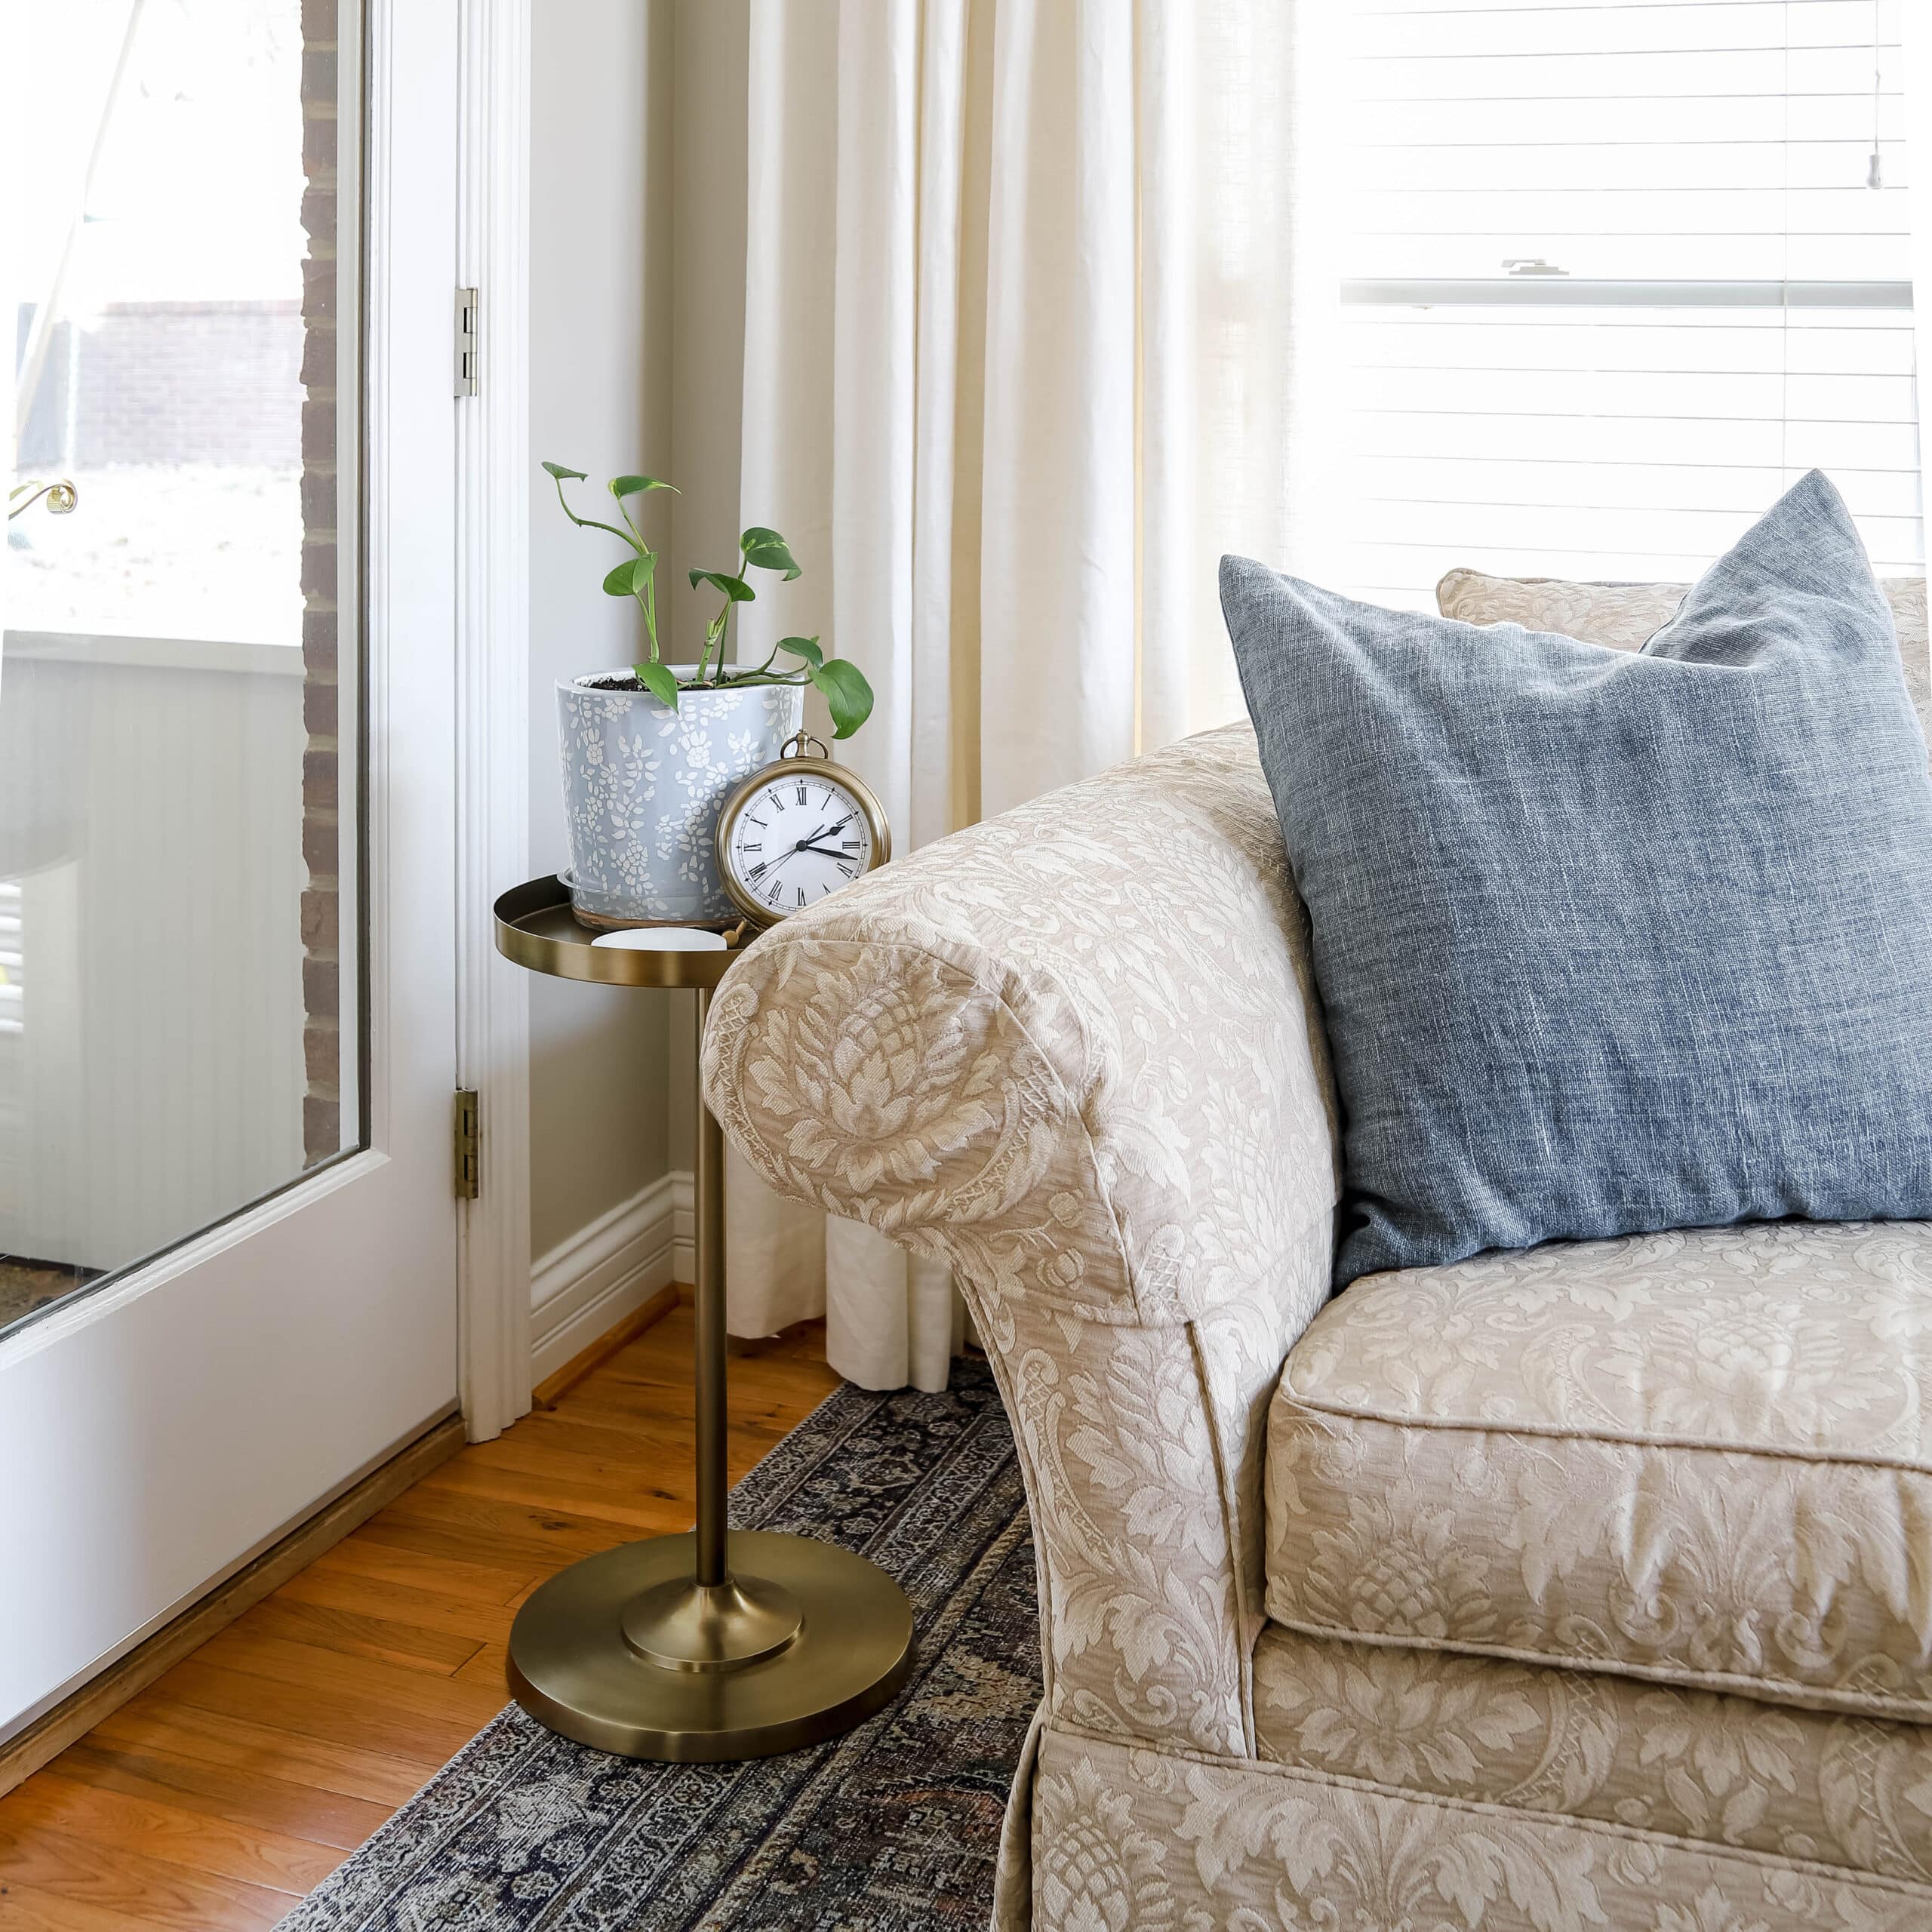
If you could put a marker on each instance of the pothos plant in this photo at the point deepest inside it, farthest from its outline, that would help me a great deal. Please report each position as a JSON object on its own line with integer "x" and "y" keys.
{"x": 847, "y": 696}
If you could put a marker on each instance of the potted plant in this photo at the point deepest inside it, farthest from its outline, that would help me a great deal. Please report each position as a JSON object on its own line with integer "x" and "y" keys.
{"x": 651, "y": 751}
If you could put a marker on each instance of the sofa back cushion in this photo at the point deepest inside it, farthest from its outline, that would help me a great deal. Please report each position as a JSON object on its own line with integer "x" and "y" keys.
{"x": 1607, "y": 940}
{"x": 1627, "y": 615}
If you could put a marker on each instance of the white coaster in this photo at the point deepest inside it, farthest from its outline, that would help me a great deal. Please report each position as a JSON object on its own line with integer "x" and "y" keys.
{"x": 663, "y": 938}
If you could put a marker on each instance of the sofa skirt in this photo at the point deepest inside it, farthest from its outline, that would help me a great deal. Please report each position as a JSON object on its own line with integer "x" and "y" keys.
{"x": 1134, "y": 1839}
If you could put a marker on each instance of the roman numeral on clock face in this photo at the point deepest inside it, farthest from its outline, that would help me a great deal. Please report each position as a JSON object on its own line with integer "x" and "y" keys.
{"x": 801, "y": 891}
{"x": 757, "y": 873}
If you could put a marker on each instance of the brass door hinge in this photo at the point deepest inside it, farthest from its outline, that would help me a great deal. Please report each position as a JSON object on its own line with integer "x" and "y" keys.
{"x": 468, "y": 377}
{"x": 469, "y": 1146}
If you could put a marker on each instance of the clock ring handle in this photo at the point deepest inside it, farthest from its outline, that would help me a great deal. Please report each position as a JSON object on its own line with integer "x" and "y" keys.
{"x": 801, "y": 744}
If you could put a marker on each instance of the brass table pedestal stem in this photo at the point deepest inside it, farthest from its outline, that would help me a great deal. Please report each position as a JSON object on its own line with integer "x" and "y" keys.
{"x": 721, "y": 1644}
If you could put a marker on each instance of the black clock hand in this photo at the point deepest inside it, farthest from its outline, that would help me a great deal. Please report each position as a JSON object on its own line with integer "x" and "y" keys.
{"x": 826, "y": 851}
{"x": 763, "y": 872}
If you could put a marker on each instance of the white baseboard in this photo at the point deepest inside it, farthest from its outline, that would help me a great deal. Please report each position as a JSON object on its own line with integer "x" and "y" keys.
{"x": 587, "y": 1283}
{"x": 684, "y": 1223}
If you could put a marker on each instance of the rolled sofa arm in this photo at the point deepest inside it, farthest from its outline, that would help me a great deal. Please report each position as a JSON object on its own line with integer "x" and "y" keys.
{"x": 1075, "y": 1050}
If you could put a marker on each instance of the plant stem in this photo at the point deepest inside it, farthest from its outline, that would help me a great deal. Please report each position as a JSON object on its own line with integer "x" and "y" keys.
{"x": 590, "y": 522}
{"x": 648, "y": 599}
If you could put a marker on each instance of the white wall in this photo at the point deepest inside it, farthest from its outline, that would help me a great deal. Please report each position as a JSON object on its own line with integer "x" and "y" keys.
{"x": 600, "y": 401}
{"x": 637, "y": 330}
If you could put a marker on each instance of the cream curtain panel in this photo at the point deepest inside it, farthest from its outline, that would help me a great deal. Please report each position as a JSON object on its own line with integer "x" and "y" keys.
{"x": 1018, "y": 368}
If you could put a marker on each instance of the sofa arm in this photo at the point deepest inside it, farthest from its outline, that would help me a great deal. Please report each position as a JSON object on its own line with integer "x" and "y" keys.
{"x": 1074, "y": 1051}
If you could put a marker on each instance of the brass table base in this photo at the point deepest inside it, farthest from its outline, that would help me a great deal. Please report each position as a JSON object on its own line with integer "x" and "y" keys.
{"x": 805, "y": 1642}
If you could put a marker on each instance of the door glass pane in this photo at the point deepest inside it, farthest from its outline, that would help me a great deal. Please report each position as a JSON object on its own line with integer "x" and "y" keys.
{"x": 177, "y": 679}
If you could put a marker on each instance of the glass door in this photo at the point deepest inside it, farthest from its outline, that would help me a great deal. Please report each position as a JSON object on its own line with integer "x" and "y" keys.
{"x": 226, "y": 1232}
{"x": 172, "y": 835}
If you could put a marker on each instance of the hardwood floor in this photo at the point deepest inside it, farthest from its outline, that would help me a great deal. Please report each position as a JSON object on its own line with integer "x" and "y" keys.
{"x": 237, "y": 1782}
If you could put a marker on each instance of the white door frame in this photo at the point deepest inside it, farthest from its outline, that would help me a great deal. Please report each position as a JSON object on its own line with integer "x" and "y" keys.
{"x": 493, "y": 727}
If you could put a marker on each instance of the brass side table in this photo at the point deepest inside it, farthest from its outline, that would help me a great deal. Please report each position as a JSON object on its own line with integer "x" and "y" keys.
{"x": 720, "y": 1645}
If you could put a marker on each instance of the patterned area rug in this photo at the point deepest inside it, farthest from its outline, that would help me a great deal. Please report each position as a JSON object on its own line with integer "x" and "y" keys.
{"x": 896, "y": 1826}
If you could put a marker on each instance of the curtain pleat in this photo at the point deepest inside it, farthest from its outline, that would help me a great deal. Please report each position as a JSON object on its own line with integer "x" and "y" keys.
{"x": 994, "y": 290}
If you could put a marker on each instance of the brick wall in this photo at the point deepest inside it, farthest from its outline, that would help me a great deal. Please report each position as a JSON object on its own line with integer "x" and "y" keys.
{"x": 167, "y": 382}
{"x": 322, "y": 925}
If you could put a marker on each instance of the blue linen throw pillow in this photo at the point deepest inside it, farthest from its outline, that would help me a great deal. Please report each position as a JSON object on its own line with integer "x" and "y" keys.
{"x": 1610, "y": 941}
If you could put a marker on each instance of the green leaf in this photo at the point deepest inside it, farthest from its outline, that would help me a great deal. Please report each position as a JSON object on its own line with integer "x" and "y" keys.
{"x": 658, "y": 680}
{"x": 564, "y": 476}
{"x": 735, "y": 588}
{"x": 620, "y": 582}
{"x": 769, "y": 551}
{"x": 806, "y": 647}
{"x": 846, "y": 695}
{"x": 629, "y": 486}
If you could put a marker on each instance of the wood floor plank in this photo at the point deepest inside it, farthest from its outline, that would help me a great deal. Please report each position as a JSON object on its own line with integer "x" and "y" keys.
{"x": 489, "y": 1669}
{"x": 637, "y": 1503}
{"x": 420, "y": 1610}
{"x": 369, "y": 1722}
{"x": 565, "y": 1437}
{"x": 359, "y": 1633}
{"x": 240, "y": 1776}
{"x": 121, "y": 1880}
{"x": 234, "y": 1740}
{"x": 272, "y": 1803}
{"x": 27, "y": 1909}
{"x": 303, "y": 1666}
{"x": 422, "y": 1570}
{"x": 545, "y": 1538}
{"x": 223, "y": 1847}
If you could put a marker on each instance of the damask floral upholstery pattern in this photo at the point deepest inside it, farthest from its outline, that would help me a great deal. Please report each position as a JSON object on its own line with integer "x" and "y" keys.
{"x": 1075, "y": 1052}
{"x": 1141, "y": 1840}
{"x": 976, "y": 1051}
{"x": 1703, "y": 1457}
{"x": 1817, "y": 1786}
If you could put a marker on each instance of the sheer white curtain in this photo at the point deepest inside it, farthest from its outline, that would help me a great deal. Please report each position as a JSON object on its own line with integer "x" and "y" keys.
{"x": 1019, "y": 367}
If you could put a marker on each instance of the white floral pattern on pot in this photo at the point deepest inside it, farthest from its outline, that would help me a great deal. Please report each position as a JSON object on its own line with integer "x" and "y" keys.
{"x": 643, "y": 785}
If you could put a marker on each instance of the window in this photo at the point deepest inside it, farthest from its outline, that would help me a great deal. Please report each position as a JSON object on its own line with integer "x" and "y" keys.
{"x": 1614, "y": 274}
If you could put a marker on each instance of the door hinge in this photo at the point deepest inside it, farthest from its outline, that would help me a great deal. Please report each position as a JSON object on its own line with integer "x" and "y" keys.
{"x": 468, "y": 1145}
{"x": 466, "y": 379}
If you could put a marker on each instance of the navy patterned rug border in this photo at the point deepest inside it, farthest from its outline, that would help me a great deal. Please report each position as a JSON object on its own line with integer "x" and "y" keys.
{"x": 895, "y": 1826}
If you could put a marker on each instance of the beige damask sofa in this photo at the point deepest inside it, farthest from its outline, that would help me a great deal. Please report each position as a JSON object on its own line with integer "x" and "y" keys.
{"x": 1590, "y": 1587}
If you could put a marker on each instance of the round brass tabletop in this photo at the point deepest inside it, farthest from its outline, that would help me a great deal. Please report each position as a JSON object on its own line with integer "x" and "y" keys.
{"x": 536, "y": 928}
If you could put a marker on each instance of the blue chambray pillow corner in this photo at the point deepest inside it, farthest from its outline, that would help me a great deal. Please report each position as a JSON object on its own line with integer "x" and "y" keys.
{"x": 1609, "y": 942}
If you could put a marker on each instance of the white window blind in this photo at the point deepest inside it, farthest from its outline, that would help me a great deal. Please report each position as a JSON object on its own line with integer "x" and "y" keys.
{"x": 1614, "y": 273}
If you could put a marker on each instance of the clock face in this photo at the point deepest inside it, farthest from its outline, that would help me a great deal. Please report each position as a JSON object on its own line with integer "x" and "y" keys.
{"x": 797, "y": 837}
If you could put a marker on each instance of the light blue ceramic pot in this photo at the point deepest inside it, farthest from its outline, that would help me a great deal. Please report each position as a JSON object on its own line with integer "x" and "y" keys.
{"x": 643, "y": 785}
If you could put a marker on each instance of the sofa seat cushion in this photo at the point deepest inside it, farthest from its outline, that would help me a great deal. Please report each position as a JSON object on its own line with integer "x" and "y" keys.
{"x": 1694, "y": 1765}
{"x": 1701, "y": 1457}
